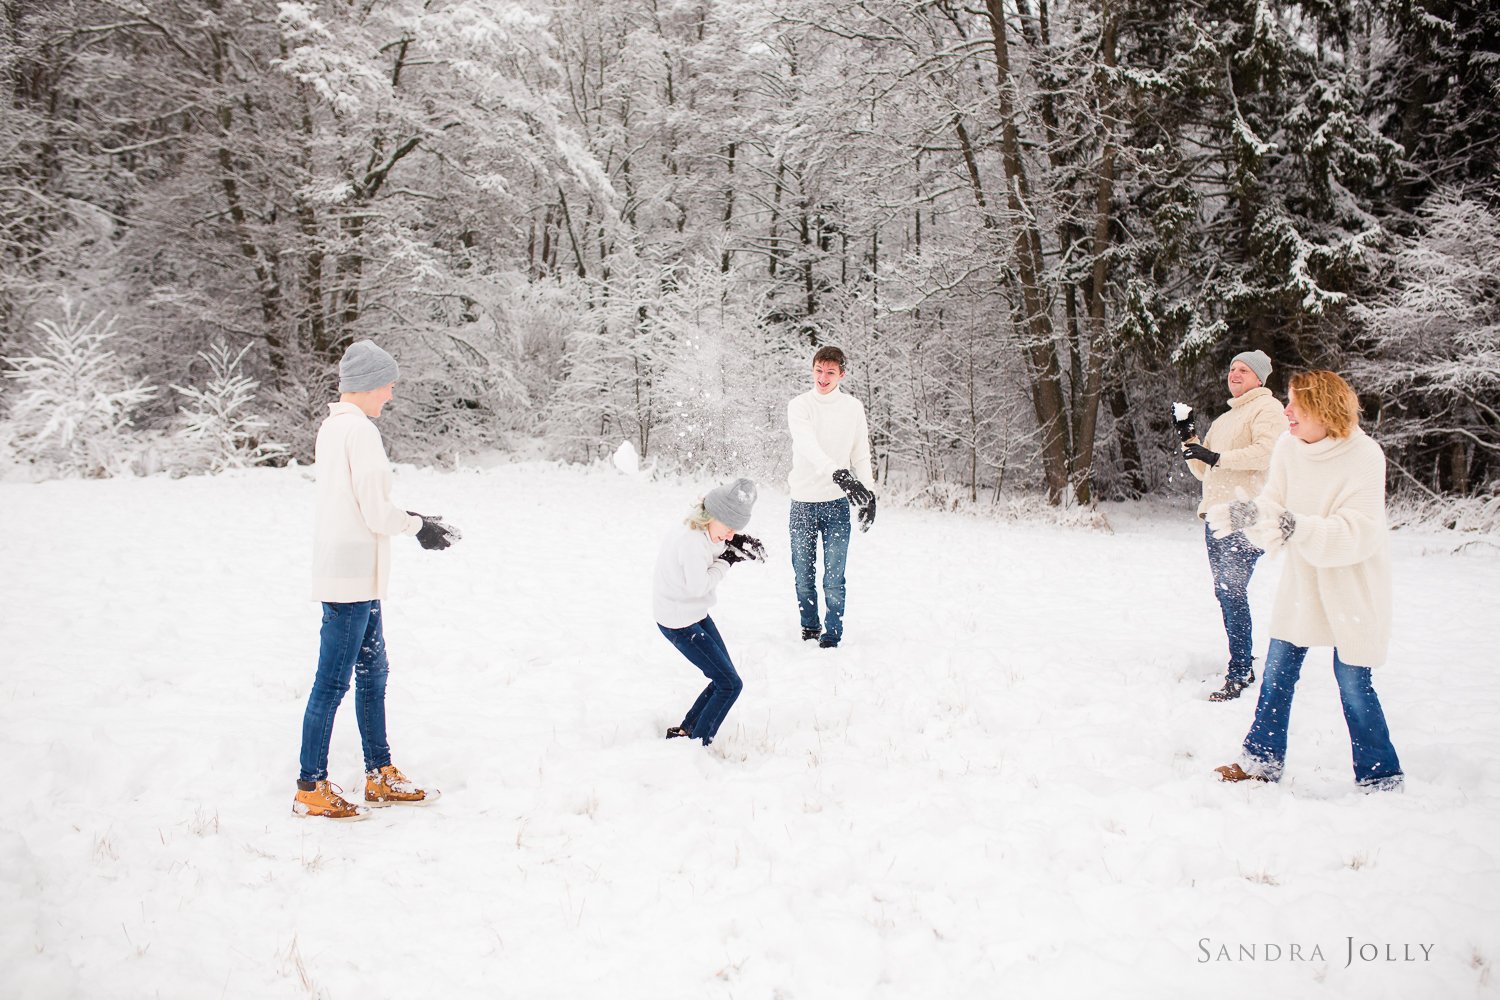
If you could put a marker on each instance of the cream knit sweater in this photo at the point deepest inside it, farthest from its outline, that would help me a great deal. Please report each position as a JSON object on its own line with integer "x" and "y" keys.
{"x": 1336, "y": 586}
{"x": 355, "y": 516}
{"x": 1243, "y": 437}
{"x": 829, "y": 433}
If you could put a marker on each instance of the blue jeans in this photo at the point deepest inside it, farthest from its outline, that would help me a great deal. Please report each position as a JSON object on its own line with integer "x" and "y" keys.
{"x": 352, "y": 642}
{"x": 1232, "y": 560}
{"x": 1265, "y": 746}
{"x": 704, "y": 648}
{"x": 808, "y": 522}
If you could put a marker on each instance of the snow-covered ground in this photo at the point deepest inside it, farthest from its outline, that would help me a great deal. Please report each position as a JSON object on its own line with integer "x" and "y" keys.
{"x": 1000, "y": 786}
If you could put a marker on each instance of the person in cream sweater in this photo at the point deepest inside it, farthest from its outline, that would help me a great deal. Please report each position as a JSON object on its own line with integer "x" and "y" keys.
{"x": 692, "y": 562}
{"x": 1231, "y": 461}
{"x": 830, "y": 472}
{"x": 1323, "y": 506}
{"x": 351, "y": 564}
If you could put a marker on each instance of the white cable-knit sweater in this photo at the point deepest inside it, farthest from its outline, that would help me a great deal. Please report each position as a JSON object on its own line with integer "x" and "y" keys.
{"x": 828, "y": 433}
{"x": 1336, "y": 585}
{"x": 355, "y": 516}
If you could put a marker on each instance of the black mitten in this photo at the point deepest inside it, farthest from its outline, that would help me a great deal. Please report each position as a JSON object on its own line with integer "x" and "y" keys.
{"x": 435, "y": 534}
{"x": 1202, "y": 454}
{"x": 747, "y": 547}
{"x": 866, "y": 514}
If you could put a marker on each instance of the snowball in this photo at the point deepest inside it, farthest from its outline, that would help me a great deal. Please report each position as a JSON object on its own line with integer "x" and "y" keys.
{"x": 1181, "y": 411}
{"x": 626, "y": 459}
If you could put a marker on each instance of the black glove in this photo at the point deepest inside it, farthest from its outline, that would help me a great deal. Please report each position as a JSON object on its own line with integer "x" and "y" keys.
{"x": 1202, "y": 454}
{"x": 435, "y": 534}
{"x": 746, "y": 547}
{"x": 1185, "y": 428}
{"x": 732, "y": 555}
{"x": 859, "y": 495}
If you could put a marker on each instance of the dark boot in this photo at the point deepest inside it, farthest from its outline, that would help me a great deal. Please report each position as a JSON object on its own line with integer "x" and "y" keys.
{"x": 811, "y": 633}
{"x": 1230, "y": 691}
{"x": 828, "y": 642}
{"x": 1234, "y": 684}
{"x": 677, "y": 731}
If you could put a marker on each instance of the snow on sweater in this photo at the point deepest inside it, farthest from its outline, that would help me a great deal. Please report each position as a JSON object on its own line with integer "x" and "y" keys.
{"x": 688, "y": 568}
{"x": 1243, "y": 437}
{"x": 1336, "y": 585}
{"x": 355, "y": 517}
{"x": 828, "y": 433}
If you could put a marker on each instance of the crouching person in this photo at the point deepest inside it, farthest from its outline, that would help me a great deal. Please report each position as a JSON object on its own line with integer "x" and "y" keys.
{"x": 351, "y": 565}
{"x": 693, "y": 560}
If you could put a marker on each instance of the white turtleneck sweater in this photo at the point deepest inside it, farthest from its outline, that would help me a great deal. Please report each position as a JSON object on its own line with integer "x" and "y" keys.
{"x": 828, "y": 433}
{"x": 1336, "y": 586}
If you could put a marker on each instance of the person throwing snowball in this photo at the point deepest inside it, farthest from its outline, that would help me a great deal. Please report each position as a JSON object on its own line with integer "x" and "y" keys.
{"x": 351, "y": 566}
{"x": 830, "y": 472}
{"x": 1231, "y": 460}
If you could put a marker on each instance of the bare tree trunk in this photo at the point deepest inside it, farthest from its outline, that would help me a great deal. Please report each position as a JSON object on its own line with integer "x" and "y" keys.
{"x": 1033, "y": 319}
{"x": 1086, "y": 409}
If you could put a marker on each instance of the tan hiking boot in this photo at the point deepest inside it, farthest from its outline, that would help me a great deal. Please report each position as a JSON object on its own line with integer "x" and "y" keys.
{"x": 1233, "y": 772}
{"x": 326, "y": 800}
{"x": 388, "y": 787}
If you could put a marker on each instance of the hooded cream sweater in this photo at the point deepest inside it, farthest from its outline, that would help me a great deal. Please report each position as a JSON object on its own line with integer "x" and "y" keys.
{"x": 355, "y": 517}
{"x": 1336, "y": 586}
{"x": 1243, "y": 437}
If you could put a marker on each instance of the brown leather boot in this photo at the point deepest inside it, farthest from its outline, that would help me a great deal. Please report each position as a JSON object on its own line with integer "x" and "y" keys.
{"x": 388, "y": 787}
{"x": 326, "y": 800}
{"x": 1233, "y": 772}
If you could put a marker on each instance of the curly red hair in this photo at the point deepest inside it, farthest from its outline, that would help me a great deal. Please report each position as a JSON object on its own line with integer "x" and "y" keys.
{"x": 1328, "y": 399}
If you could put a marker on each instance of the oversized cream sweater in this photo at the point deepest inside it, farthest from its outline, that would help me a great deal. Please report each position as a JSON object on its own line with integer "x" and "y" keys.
{"x": 1336, "y": 585}
{"x": 355, "y": 517}
{"x": 1243, "y": 437}
{"x": 829, "y": 433}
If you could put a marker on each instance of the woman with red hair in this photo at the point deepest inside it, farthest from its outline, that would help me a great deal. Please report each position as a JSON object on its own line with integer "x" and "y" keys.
{"x": 1324, "y": 506}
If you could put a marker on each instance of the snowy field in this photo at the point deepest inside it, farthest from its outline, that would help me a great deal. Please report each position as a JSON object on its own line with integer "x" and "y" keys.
{"x": 1001, "y": 785}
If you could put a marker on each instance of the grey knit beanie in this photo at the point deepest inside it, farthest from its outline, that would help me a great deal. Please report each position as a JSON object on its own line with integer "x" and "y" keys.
{"x": 731, "y": 504}
{"x": 365, "y": 367}
{"x": 1257, "y": 361}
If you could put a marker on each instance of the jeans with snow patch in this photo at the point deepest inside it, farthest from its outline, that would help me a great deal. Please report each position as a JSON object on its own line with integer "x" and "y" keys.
{"x": 704, "y": 649}
{"x": 1232, "y": 560}
{"x": 1375, "y": 761}
{"x": 808, "y": 522}
{"x": 352, "y": 642}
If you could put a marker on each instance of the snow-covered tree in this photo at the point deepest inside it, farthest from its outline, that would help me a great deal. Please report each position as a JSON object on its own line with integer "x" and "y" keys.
{"x": 218, "y": 416}
{"x": 1432, "y": 358}
{"x": 76, "y": 398}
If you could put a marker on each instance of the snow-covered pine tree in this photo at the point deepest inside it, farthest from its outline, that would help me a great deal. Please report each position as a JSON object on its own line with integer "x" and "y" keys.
{"x": 77, "y": 397}
{"x": 218, "y": 419}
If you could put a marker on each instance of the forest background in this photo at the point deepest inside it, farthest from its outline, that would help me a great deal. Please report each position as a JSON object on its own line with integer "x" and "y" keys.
{"x": 1031, "y": 225}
